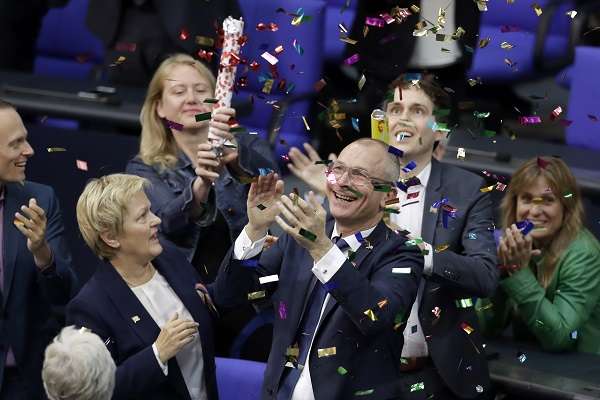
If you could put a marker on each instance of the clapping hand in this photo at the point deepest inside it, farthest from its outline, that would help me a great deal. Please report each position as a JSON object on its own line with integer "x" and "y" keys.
{"x": 515, "y": 250}
{"x": 261, "y": 204}
{"x": 305, "y": 222}
{"x": 304, "y": 167}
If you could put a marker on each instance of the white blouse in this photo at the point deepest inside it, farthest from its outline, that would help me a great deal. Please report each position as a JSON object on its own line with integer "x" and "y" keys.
{"x": 161, "y": 302}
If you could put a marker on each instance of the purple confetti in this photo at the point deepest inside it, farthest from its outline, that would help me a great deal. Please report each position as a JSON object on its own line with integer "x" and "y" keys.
{"x": 173, "y": 125}
{"x": 409, "y": 167}
{"x": 282, "y": 310}
{"x": 395, "y": 151}
{"x": 353, "y": 59}
{"x": 525, "y": 226}
{"x": 372, "y": 21}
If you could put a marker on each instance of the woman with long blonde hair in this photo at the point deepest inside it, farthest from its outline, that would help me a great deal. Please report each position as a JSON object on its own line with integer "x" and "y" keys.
{"x": 550, "y": 288}
{"x": 200, "y": 197}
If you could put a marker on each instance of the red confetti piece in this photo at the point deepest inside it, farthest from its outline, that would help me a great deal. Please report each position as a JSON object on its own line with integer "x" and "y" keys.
{"x": 205, "y": 55}
{"x": 467, "y": 328}
{"x": 254, "y": 66}
{"x": 542, "y": 163}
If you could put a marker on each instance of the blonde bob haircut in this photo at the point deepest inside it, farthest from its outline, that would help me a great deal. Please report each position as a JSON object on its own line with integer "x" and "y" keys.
{"x": 157, "y": 145}
{"x": 101, "y": 209}
{"x": 564, "y": 186}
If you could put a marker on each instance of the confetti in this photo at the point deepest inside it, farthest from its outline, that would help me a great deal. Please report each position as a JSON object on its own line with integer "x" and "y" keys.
{"x": 173, "y": 125}
{"x": 82, "y": 165}
{"x": 464, "y": 303}
{"x": 205, "y": 41}
{"x": 353, "y": 59}
{"x": 256, "y": 295}
{"x": 250, "y": 263}
{"x": 364, "y": 392}
{"x": 401, "y": 270}
{"x": 538, "y": 10}
{"x": 556, "y": 113}
{"x": 395, "y": 200}
{"x": 361, "y": 82}
{"x": 484, "y": 42}
{"x": 271, "y": 59}
{"x": 467, "y": 328}
{"x": 486, "y": 189}
{"x": 264, "y": 171}
{"x": 415, "y": 387}
{"x": 568, "y": 195}
{"x": 461, "y": 153}
{"x": 385, "y": 188}
{"x": 268, "y": 279}
{"x": 282, "y": 310}
{"x": 542, "y": 163}
{"x": 506, "y": 45}
{"x": 388, "y": 210}
{"x": 307, "y": 234}
{"x": 183, "y": 34}
{"x": 306, "y": 126}
{"x": 203, "y": 116}
{"x": 342, "y": 371}
{"x": 522, "y": 357}
{"x": 377, "y": 22}
{"x": 55, "y": 149}
{"x": 472, "y": 236}
{"x": 268, "y": 86}
{"x": 395, "y": 151}
{"x": 479, "y": 389}
{"x": 408, "y": 167}
{"x": 525, "y": 226}
{"x": 369, "y": 313}
{"x": 355, "y": 192}
{"x": 261, "y": 207}
{"x": 441, "y": 247}
{"x": 211, "y": 101}
{"x": 574, "y": 335}
{"x": 327, "y": 352}
{"x": 571, "y": 13}
{"x": 382, "y": 303}
{"x": 534, "y": 119}
{"x": 297, "y": 47}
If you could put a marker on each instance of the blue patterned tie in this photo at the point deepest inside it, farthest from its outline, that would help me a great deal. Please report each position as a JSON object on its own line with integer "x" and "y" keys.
{"x": 306, "y": 331}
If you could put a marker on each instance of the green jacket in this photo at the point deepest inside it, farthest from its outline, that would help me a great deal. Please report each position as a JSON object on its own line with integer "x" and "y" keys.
{"x": 565, "y": 315}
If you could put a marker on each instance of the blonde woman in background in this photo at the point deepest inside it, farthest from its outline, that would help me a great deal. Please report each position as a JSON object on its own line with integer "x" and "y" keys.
{"x": 550, "y": 288}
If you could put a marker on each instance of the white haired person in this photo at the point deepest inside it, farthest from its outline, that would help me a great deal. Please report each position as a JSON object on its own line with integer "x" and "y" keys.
{"x": 78, "y": 366}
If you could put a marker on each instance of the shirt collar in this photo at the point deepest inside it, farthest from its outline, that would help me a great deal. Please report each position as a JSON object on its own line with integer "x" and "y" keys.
{"x": 425, "y": 174}
{"x": 352, "y": 240}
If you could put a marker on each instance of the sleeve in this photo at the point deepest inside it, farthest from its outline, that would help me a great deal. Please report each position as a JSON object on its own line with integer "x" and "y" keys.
{"x": 474, "y": 271}
{"x": 494, "y": 313}
{"x": 376, "y": 301}
{"x": 245, "y": 249}
{"x": 553, "y": 320}
{"x": 174, "y": 210}
{"x": 329, "y": 264}
{"x": 58, "y": 279}
{"x": 137, "y": 373}
{"x": 254, "y": 153}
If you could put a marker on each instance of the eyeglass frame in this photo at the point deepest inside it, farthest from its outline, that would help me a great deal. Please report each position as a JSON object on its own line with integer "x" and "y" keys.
{"x": 373, "y": 181}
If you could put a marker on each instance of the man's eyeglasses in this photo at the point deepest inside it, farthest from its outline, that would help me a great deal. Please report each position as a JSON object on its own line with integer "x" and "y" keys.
{"x": 356, "y": 176}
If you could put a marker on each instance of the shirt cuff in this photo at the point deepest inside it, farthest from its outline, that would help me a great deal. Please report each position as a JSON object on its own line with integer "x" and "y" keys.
{"x": 244, "y": 248}
{"x": 428, "y": 260}
{"x": 164, "y": 367}
{"x": 329, "y": 264}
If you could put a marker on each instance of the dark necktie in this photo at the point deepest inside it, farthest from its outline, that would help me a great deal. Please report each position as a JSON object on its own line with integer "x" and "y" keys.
{"x": 306, "y": 331}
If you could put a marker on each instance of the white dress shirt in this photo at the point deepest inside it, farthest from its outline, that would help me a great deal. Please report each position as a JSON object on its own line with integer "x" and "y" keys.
{"x": 324, "y": 269}
{"x": 161, "y": 302}
{"x": 428, "y": 52}
{"x": 412, "y": 206}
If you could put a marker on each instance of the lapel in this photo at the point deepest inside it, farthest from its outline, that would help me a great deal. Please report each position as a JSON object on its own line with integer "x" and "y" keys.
{"x": 377, "y": 236}
{"x": 185, "y": 290}
{"x": 131, "y": 309}
{"x": 12, "y": 236}
{"x": 433, "y": 193}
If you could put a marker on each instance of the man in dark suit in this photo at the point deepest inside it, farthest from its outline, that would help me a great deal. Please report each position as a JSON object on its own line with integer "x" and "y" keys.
{"x": 147, "y": 31}
{"x": 339, "y": 307}
{"x": 35, "y": 267}
{"x": 446, "y": 213}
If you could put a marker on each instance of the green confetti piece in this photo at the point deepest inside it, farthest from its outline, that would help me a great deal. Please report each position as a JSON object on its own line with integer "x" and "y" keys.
{"x": 356, "y": 193}
{"x": 568, "y": 195}
{"x": 238, "y": 129}
{"x": 442, "y": 127}
{"x": 307, "y": 234}
{"x": 203, "y": 116}
{"x": 342, "y": 371}
{"x": 324, "y": 162}
{"x": 417, "y": 386}
{"x": 403, "y": 361}
{"x": 389, "y": 210}
{"x": 464, "y": 303}
{"x": 261, "y": 207}
{"x": 382, "y": 188}
{"x": 211, "y": 101}
{"x": 351, "y": 255}
{"x": 481, "y": 115}
{"x": 364, "y": 392}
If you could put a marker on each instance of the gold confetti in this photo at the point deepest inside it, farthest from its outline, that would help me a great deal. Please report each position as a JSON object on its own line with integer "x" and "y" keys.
{"x": 256, "y": 295}
{"x": 361, "y": 82}
{"x": 346, "y": 39}
{"x": 538, "y": 10}
{"x": 484, "y": 42}
{"x": 414, "y": 8}
{"x": 305, "y": 123}
{"x": 268, "y": 86}
{"x": 369, "y": 313}
{"x": 382, "y": 303}
{"x": 329, "y": 351}
{"x": 292, "y": 351}
{"x": 571, "y": 13}
{"x": 55, "y": 149}
{"x": 506, "y": 45}
{"x": 459, "y": 33}
{"x": 205, "y": 41}
{"x": 487, "y": 189}
{"x": 482, "y": 5}
{"x": 441, "y": 247}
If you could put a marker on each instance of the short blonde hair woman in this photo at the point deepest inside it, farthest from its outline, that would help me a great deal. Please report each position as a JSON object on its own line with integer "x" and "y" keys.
{"x": 551, "y": 284}
{"x": 143, "y": 299}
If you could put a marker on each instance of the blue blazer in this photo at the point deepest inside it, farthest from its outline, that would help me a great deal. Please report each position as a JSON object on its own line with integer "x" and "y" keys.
{"x": 29, "y": 297}
{"x": 171, "y": 194}
{"x": 107, "y": 306}
{"x": 466, "y": 269}
{"x": 368, "y": 349}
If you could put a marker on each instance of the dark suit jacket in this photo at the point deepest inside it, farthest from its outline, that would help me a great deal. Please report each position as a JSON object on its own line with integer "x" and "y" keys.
{"x": 105, "y": 17}
{"x": 465, "y": 270}
{"x": 385, "y": 52}
{"x": 369, "y": 350}
{"x": 27, "y": 323}
{"x": 106, "y": 305}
